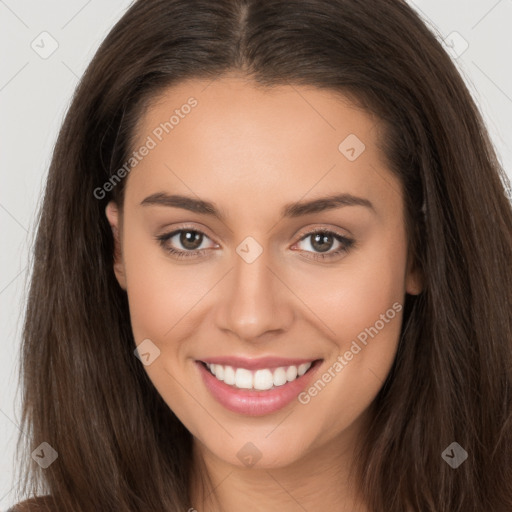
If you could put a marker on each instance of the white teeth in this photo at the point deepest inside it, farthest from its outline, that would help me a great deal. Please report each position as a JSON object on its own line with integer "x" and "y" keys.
{"x": 260, "y": 379}
{"x": 263, "y": 380}
{"x": 303, "y": 368}
{"x": 243, "y": 378}
{"x": 219, "y": 371}
{"x": 229, "y": 375}
{"x": 291, "y": 373}
{"x": 279, "y": 377}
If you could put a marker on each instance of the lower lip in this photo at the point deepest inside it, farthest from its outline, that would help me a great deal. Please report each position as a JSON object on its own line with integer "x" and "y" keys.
{"x": 256, "y": 403}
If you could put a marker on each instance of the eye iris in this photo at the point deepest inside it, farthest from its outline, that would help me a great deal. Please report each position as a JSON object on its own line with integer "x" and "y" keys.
{"x": 189, "y": 239}
{"x": 322, "y": 242}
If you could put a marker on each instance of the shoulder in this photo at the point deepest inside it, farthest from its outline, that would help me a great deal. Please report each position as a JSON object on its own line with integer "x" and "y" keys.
{"x": 39, "y": 504}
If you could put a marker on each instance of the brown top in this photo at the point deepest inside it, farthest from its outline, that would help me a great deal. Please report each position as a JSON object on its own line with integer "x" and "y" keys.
{"x": 39, "y": 504}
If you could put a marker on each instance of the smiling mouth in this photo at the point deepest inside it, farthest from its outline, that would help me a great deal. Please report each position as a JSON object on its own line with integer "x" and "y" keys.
{"x": 262, "y": 379}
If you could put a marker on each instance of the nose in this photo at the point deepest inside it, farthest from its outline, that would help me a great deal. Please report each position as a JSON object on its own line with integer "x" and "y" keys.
{"x": 254, "y": 300}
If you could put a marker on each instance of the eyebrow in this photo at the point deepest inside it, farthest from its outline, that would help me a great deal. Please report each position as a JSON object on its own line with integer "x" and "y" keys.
{"x": 290, "y": 210}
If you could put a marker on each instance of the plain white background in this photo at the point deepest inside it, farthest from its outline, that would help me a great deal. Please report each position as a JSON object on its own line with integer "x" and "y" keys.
{"x": 35, "y": 93}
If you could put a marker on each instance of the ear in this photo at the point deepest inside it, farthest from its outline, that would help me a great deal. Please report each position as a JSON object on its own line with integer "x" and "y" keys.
{"x": 112, "y": 213}
{"x": 414, "y": 276}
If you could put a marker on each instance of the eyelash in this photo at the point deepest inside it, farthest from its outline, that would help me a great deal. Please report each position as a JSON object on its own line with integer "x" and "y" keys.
{"x": 347, "y": 244}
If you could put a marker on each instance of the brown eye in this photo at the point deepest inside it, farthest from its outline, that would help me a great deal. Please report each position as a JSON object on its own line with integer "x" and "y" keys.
{"x": 183, "y": 243}
{"x": 322, "y": 241}
{"x": 190, "y": 240}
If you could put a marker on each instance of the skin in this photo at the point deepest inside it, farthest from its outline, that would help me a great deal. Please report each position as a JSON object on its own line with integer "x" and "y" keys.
{"x": 252, "y": 151}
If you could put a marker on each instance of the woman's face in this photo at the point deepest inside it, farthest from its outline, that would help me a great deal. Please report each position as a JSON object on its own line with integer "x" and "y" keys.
{"x": 265, "y": 296}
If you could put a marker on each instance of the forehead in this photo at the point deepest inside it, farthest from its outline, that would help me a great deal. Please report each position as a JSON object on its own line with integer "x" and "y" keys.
{"x": 239, "y": 141}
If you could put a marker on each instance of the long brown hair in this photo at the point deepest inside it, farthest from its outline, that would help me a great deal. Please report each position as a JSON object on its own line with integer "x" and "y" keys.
{"x": 120, "y": 446}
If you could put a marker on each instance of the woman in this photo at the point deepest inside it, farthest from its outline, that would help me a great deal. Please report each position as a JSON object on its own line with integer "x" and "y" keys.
{"x": 272, "y": 271}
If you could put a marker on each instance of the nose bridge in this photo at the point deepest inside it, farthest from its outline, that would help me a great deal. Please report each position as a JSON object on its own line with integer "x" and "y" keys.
{"x": 252, "y": 303}
{"x": 251, "y": 272}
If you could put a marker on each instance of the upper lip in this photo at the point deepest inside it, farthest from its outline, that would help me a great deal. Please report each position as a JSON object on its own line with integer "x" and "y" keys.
{"x": 256, "y": 364}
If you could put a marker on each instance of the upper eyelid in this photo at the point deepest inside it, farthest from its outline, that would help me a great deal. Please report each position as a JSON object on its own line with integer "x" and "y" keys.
{"x": 322, "y": 229}
{"x": 174, "y": 231}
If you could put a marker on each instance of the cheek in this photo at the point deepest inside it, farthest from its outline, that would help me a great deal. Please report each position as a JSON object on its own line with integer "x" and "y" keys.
{"x": 365, "y": 310}
{"x": 161, "y": 296}
{"x": 355, "y": 375}
{"x": 160, "y": 292}
{"x": 365, "y": 286}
